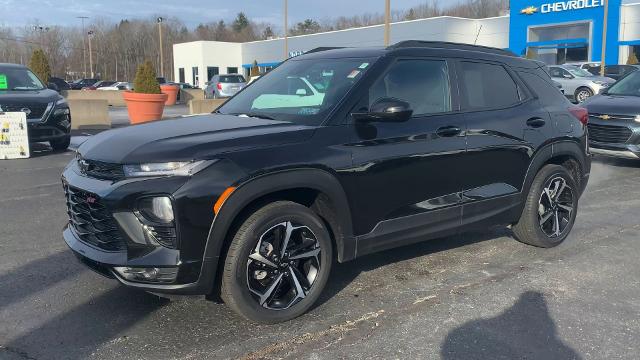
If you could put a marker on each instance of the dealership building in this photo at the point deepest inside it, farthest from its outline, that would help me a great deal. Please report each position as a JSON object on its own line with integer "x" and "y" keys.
{"x": 554, "y": 32}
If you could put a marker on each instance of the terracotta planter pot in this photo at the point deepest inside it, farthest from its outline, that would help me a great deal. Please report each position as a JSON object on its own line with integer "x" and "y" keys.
{"x": 144, "y": 107}
{"x": 172, "y": 91}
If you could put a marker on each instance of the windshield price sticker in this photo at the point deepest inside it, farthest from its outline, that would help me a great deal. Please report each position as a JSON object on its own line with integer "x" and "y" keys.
{"x": 353, "y": 74}
{"x": 363, "y": 66}
{"x": 3, "y": 82}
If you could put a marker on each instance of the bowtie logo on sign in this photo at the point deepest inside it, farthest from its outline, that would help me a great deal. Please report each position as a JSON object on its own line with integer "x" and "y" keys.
{"x": 562, "y": 6}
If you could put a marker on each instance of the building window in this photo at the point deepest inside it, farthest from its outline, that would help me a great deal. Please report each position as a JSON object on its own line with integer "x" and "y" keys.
{"x": 181, "y": 75}
{"x": 232, "y": 70}
{"x": 212, "y": 71}
{"x": 194, "y": 76}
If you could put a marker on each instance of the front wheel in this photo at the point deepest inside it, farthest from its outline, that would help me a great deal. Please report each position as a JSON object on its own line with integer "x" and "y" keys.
{"x": 277, "y": 264}
{"x": 550, "y": 208}
{"x": 583, "y": 94}
{"x": 60, "y": 144}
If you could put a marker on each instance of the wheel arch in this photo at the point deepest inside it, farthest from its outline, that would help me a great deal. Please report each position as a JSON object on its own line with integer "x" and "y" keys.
{"x": 315, "y": 188}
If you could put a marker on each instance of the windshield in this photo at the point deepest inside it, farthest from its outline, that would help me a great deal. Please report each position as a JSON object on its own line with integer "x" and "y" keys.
{"x": 298, "y": 91}
{"x": 578, "y": 72}
{"x": 18, "y": 79}
{"x": 628, "y": 85}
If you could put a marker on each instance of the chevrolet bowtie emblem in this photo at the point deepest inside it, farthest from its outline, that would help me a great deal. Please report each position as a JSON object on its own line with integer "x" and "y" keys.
{"x": 604, "y": 117}
{"x": 529, "y": 10}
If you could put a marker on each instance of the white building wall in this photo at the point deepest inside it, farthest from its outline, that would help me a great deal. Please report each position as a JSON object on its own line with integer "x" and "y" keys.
{"x": 490, "y": 32}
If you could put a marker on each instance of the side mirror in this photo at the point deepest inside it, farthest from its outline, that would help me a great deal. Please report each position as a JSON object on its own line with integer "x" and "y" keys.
{"x": 567, "y": 76}
{"x": 53, "y": 87}
{"x": 301, "y": 92}
{"x": 386, "y": 110}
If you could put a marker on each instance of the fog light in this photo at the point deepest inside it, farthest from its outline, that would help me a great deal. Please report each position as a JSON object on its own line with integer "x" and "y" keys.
{"x": 156, "y": 209}
{"x": 148, "y": 274}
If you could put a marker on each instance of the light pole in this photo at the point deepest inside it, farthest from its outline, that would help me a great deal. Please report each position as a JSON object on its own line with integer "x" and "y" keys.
{"x": 41, "y": 30}
{"x": 84, "y": 47}
{"x": 90, "y": 35}
{"x": 387, "y": 22}
{"x": 604, "y": 36}
{"x": 286, "y": 30}
{"x": 161, "y": 50}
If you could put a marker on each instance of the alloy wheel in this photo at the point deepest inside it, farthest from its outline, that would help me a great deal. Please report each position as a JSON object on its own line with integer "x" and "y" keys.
{"x": 555, "y": 207}
{"x": 283, "y": 267}
{"x": 583, "y": 95}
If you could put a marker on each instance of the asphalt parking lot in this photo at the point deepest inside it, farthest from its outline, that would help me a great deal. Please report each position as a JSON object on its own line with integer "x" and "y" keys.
{"x": 473, "y": 296}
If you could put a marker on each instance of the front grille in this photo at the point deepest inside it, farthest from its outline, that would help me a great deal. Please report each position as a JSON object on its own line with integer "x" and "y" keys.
{"x": 101, "y": 170}
{"x": 92, "y": 221}
{"x": 611, "y": 134}
{"x": 36, "y": 110}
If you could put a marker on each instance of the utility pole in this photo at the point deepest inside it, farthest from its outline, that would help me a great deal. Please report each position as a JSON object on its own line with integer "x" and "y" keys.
{"x": 41, "y": 30}
{"x": 161, "y": 49}
{"x": 90, "y": 35}
{"x": 604, "y": 36}
{"x": 387, "y": 22}
{"x": 84, "y": 47}
{"x": 286, "y": 31}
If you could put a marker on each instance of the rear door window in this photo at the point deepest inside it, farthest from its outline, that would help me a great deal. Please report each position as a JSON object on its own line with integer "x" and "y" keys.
{"x": 487, "y": 86}
{"x": 546, "y": 91}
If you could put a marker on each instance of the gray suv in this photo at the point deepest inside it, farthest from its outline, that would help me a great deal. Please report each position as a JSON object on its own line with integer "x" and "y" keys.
{"x": 577, "y": 83}
{"x": 223, "y": 86}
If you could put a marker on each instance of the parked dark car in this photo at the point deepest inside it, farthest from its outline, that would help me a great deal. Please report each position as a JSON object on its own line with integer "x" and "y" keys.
{"x": 161, "y": 80}
{"x": 60, "y": 84}
{"x": 254, "y": 202}
{"x": 615, "y": 72}
{"x": 81, "y": 83}
{"x": 614, "y": 119}
{"x": 100, "y": 84}
{"x": 48, "y": 115}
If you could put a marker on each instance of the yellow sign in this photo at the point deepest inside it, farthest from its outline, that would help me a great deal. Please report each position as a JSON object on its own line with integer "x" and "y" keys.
{"x": 14, "y": 139}
{"x": 529, "y": 10}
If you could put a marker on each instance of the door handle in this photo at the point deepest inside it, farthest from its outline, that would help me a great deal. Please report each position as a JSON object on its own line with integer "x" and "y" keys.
{"x": 448, "y": 131}
{"x": 536, "y": 122}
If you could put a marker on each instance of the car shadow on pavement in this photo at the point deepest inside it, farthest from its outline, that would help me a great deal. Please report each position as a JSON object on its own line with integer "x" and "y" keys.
{"x": 524, "y": 331}
{"x": 617, "y": 162}
{"x": 79, "y": 332}
{"x": 343, "y": 274}
{"x": 37, "y": 276}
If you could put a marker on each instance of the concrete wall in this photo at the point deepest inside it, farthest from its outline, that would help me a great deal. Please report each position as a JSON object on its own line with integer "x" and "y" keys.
{"x": 89, "y": 114}
{"x": 191, "y": 94}
{"x": 113, "y": 98}
{"x": 204, "y": 106}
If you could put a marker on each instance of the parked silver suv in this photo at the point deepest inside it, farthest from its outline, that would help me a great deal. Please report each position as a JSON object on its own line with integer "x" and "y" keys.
{"x": 577, "y": 83}
{"x": 223, "y": 86}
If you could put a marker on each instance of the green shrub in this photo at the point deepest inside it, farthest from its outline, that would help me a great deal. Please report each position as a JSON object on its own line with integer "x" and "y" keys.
{"x": 39, "y": 64}
{"x": 145, "y": 81}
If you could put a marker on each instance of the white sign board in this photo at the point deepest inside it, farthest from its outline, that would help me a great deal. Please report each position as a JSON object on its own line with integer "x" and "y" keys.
{"x": 14, "y": 138}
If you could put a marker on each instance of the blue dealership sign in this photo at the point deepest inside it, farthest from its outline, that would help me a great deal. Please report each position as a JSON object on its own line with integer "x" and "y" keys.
{"x": 549, "y": 24}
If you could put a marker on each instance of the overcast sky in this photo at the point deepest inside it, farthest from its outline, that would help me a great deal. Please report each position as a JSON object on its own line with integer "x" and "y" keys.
{"x": 191, "y": 12}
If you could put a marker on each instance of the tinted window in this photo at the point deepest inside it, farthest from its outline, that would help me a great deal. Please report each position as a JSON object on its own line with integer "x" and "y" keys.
{"x": 422, "y": 83}
{"x": 546, "y": 91}
{"x": 629, "y": 85}
{"x": 231, "y": 79}
{"x": 555, "y": 72}
{"x": 487, "y": 86}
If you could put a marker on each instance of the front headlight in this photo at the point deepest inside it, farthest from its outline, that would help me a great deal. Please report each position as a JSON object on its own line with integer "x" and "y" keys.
{"x": 637, "y": 119}
{"x": 174, "y": 168}
{"x": 601, "y": 83}
{"x": 62, "y": 101}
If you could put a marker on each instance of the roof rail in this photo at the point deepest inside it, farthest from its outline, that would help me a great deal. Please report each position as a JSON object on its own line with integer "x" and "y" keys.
{"x": 450, "y": 45}
{"x": 323, "y": 48}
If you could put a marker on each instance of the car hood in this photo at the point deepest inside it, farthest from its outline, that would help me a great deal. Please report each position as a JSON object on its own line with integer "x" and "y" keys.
{"x": 189, "y": 138}
{"x": 604, "y": 79}
{"x": 44, "y": 96}
{"x": 613, "y": 105}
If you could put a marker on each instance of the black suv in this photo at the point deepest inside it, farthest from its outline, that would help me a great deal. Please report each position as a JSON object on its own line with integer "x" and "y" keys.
{"x": 48, "y": 115}
{"x": 332, "y": 155}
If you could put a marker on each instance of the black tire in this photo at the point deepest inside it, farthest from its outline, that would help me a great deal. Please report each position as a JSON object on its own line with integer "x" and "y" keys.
{"x": 582, "y": 94}
{"x": 242, "y": 272}
{"x": 532, "y": 228}
{"x": 60, "y": 144}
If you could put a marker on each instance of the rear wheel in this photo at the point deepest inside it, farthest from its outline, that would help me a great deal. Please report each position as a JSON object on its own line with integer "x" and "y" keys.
{"x": 550, "y": 208}
{"x": 277, "y": 264}
{"x": 583, "y": 94}
{"x": 60, "y": 144}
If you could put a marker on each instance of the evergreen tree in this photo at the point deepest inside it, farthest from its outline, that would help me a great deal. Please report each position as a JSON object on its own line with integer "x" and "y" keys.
{"x": 39, "y": 64}
{"x": 145, "y": 81}
{"x": 240, "y": 23}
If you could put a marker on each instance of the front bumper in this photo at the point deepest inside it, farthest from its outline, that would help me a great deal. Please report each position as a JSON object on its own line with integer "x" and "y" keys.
{"x": 195, "y": 272}
{"x": 615, "y": 150}
{"x": 57, "y": 125}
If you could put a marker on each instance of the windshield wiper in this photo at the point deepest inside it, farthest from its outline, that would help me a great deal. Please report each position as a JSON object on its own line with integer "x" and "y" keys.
{"x": 255, "y": 115}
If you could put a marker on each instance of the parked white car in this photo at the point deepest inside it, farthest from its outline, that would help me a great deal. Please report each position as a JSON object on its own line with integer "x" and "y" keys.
{"x": 121, "y": 85}
{"x": 577, "y": 83}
